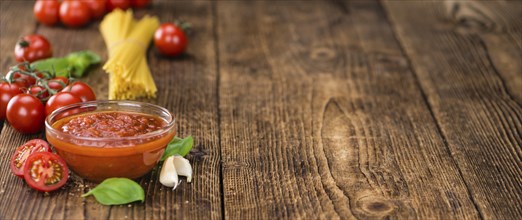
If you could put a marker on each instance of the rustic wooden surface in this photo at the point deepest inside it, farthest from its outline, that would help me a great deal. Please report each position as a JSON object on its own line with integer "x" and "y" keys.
{"x": 316, "y": 109}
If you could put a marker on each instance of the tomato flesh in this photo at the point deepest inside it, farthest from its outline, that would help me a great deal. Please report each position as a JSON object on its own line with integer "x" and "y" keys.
{"x": 45, "y": 171}
{"x": 23, "y": 152}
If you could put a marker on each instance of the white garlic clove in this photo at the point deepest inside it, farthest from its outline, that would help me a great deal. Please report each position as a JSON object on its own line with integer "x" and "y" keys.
{"x": 168, "y": 174}
{"x": 183, "y": 167}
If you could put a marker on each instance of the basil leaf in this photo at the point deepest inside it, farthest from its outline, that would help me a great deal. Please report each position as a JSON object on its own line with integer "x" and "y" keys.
{"x": 117, "y": 191}
{"x": 178, "y": 146}
{"x": 80, "y": 61}
{"x": 75, "y": 63}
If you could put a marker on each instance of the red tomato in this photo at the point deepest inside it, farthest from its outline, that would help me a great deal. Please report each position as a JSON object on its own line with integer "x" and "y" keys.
{"x": 46, "y": 11}
{"x": 75, "y": 13}
{"x": 45, "y": 171}
{"x": 24, "y": 80}
{"x": 7, "y": 91}
{"x": 26, "y": 113}
{"x": 58, "y": 83}
{"x": 60, "y": 99}
{"x": 140, "y": 3}
{"x": 33, "y": 47}
{"x": 97, "y": 7}
{"x": 170, "y": 39}
{"x": 81, "y": 90}
{"x": 20, "y": 156}
{"x": 122, "y": 4}
{"x": 38, "y": 92}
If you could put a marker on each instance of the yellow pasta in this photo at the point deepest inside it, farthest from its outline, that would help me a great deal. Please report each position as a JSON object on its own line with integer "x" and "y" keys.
{"x": 127, "y": 40}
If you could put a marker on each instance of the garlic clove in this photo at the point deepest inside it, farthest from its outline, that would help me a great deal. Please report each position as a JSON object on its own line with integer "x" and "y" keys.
{"x": 183, "y": 167}
{"x": 168, "y": 174}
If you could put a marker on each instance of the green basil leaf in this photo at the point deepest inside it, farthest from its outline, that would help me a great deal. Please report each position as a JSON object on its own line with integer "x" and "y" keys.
{"x": 117, "y": 191}
{"x": 178, "y": 146}
{"x": 74, "y": 64}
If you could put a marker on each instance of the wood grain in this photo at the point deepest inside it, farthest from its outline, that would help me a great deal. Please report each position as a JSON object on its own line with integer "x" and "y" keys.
{"x": 186, "y": 86}
{"x": 11, "y": 31}
{"x": 473, "y": 87}
{"x": 321, "y": 117}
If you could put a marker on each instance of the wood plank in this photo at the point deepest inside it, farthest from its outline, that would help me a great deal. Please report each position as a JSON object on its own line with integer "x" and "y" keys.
{"x": 12, "y": 30}
{"x": 186, "y": 86}
{"x": 466, "y": 55}
{"x": 321, "y": 117}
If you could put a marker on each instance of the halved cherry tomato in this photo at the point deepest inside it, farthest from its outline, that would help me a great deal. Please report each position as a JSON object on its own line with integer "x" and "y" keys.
{"x": 60, "y": 99}
{"x": 20, "y": 156}
{"x": 26, "y": 113}
{"x": 45, "y": 171}
{"x": 33, "y": 47}
{"x": 46, "y": 11}
{"x": 7, "y": 92}
{"x": 81, "y": 90}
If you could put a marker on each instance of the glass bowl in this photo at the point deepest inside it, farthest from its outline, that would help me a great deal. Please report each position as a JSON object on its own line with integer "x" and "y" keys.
{"x": 99, "y": 158}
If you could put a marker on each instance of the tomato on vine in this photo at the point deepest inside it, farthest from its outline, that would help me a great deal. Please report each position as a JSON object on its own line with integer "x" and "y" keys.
{"x": 26, "y": 113}
{"x": 81, "y": 90}
{"x": 58, "y": 83}
{"x": 7, "y": 91}
{"x": 60, "y": 99}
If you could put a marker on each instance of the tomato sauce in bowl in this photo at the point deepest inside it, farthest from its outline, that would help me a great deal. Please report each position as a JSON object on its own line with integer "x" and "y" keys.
{"x": 103, "y": 139}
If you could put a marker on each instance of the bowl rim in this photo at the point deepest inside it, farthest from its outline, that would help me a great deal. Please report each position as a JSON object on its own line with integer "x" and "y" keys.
{"x": 170, "y": 122}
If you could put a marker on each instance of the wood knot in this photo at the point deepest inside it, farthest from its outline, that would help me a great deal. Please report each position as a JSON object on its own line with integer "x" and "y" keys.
{"x": 376, "y": 206}
{"x": 322, "y": 54}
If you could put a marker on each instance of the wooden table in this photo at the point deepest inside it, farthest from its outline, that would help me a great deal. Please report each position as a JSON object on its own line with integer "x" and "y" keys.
{"x": 316, "y": 109}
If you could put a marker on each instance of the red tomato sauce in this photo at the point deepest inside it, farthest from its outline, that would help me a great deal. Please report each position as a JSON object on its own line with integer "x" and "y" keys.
{"x": 109, "y": 124}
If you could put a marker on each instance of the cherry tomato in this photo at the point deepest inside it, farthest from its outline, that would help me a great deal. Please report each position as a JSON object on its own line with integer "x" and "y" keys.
{"x": 75, "y": 13}
{"x": 81, "y": 90}
{"x": 122, "y": 4}
{"x": 58, "y": 83}
{"x": 26, "y": 113}
{"x": 170, "y": 39}
{"x": 45, "y": 171}
{"x": 46, "y": 11}
{"x": 97, "y": 7}
{"x": 33, "y": 47}
{"x": 20, "y": 156}
{"x": 7, "y": 91}
{"x": 60, "y": 99}
{"x": 24, "y": 80}
{"x": 140, "y": 3}
{"x": 38, "y": 92}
